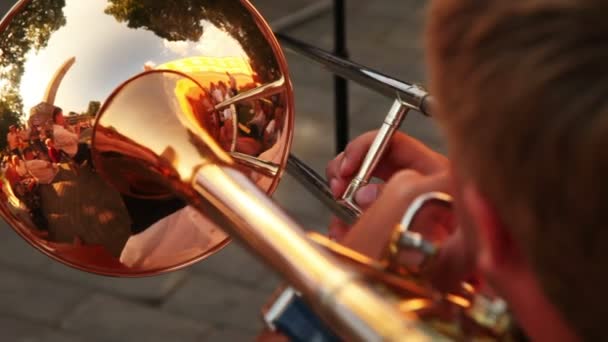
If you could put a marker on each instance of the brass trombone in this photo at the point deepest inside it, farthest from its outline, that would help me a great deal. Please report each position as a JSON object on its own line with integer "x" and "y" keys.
{"x": 193, "y": 132}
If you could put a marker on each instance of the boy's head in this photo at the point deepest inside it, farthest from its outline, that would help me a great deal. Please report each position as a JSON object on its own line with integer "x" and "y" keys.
{"x": 58, "y": 116}
{"x": 522, "y": 99}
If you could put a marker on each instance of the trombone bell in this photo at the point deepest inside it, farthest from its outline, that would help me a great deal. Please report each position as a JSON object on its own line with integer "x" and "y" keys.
{"x": 226, "y": 52}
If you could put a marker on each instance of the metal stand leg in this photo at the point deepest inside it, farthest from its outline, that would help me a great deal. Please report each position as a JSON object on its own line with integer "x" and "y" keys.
{"x": 340, "y": 84}
{"x": 340, "y": 50}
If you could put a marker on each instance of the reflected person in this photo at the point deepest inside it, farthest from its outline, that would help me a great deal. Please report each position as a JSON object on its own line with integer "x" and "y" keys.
{"x": 182, "y": 235}
{"x": 68, "y": 141}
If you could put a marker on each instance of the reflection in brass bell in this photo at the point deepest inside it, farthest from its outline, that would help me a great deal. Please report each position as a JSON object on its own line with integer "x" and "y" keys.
{"x": 214, "y": 63}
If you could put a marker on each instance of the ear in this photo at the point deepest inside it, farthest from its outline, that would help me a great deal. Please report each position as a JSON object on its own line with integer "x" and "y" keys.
{"x": 497, "y": 249}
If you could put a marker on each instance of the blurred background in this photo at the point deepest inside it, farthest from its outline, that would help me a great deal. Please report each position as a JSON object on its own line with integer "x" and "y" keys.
{"x": 219, "y": 299}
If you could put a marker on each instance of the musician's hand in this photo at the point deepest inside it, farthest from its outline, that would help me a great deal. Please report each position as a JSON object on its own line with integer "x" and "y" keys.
{"x": 403, "y": 152}
{"x": 373, "y": 232}
{"x": 364, "y": 198}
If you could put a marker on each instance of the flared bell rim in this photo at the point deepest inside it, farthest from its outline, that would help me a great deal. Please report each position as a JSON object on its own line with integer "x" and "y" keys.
{"x": 48, "y": 249}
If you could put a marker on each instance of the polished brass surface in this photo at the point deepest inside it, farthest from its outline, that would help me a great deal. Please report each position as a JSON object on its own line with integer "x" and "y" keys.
{"x": 350, "y": 305}
{"x": 219, "y": 66}
{"x": 177, "y": 154}
{"x": 462, "y": 315}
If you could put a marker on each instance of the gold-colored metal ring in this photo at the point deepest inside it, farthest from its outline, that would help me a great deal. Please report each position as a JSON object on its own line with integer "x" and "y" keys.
{"x": 404, "y": 239}
{"x": 410, "y": 241}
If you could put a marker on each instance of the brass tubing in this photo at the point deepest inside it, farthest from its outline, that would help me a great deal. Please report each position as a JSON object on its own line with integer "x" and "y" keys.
{"x": 391, "y": 123}
{"x": 335, "y": 292}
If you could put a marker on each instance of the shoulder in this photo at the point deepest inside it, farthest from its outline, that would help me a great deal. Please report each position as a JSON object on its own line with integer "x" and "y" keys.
{"x": 36, "y": 163}
{"x": 58, "y": 129}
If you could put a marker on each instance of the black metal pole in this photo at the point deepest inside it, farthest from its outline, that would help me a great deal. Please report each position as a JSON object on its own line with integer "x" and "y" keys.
{"x": 340, "y": 84}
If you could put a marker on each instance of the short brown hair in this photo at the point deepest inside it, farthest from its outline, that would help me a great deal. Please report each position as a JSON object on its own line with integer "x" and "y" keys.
{"x": 56, "y": 112}
{"x": 523, "y": 98}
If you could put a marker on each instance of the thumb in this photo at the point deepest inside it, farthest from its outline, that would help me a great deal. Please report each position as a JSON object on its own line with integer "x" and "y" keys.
{"x": 367, "y": 195}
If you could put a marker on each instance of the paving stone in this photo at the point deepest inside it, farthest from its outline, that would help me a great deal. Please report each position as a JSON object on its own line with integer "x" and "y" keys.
{"x": 304, "y": 72}
{"x": 111, "y": 319}
{"x": 18, "y": 253}
{"x": 410, "y": 36}
{"x": 385, "y": 9}
{"x": 313, "y": 101}
{"x": 209, "y": 299}
{"x": 405, "y": 66}
{"x": 16, "y": 330}
{"x": 271, "y": 283}
{"x": 148, "y": 289}
{"x": 5, "y": 6}
{"x": 360, "y": 97}
{"x": 230, "y": 335}
{"x": 300, "y": 204}
{"x": 425, "y": 130}
{"x": 272, "y": 10}
{"x": 317, "y": 31}
{"x": 314, "y": 139}
{"x": 33, "y": 297}
{"x": 234, "y": 263}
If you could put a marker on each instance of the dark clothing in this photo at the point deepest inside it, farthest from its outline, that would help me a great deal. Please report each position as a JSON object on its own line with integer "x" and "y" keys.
{"x": 54, "y": 155}
{"x": 39, "y": 145}
{"x": 146, "y": 212}
{"x": 83, "y": 154}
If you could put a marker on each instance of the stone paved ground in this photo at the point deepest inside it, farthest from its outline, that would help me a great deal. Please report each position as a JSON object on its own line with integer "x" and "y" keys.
{"x": 218, "y": 299}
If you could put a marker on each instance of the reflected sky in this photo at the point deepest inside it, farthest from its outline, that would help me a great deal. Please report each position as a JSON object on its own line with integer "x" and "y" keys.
{"x": 107, "y": 53}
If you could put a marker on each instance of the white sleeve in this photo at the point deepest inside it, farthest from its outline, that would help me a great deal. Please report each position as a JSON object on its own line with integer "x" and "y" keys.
{"x": 63, "y": 137}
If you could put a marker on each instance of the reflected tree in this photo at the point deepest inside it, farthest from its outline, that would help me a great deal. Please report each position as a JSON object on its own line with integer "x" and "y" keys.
{"x": 93, "y": 108}
{"x": 8, "y": 117}
{"x": 29, "y": 30}
{"x": 173, "y": 20}
{"x": 181, "y": 20}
